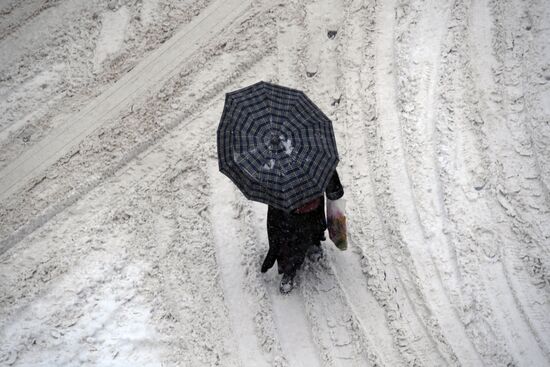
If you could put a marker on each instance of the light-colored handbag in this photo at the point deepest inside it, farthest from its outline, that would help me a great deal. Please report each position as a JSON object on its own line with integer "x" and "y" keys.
{"x": 336, "y": 222}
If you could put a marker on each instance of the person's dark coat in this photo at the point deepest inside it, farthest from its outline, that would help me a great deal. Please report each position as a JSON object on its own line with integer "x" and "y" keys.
{"x": 292, "y": 233}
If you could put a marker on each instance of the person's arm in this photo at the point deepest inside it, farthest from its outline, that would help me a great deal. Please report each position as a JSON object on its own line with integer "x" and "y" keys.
{"x": 334, "y": 189}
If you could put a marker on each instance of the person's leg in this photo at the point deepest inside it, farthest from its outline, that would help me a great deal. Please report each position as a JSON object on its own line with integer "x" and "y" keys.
{"x": 315, "y": 252}
{"x": 270, "y": 258}
{"x": 276, "y": 232}
{"x": 291, "y": 255}
{"x": 291, "y": 258}
{"x": 316, "y": 236}
{"x": 290, "y": 237}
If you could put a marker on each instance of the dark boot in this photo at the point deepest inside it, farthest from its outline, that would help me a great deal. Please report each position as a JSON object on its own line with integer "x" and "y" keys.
{"x": 287, "y": 283}
{"x": 315, "y": 253}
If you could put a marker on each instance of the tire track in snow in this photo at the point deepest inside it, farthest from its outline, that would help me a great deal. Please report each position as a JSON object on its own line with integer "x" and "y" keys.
{"x": 393, "y": 285}
{"x": 533, "y": 54}
{"x": 337, "y": 329}
{"x": 437, "y": 310}
{"x": 464, "y": 166}
{"x": 291, "y": 56}
{"x": 132, "y": 177}
{"x": 522, "y": 191}
{"x": 354, "y": 267}
{"x": 534, "y": 25}
{"x": 506, "y": 322}
{"x": 421, "y": 30}
{"x": 228, "y": 239}
{"x": 85, "y": 309}
{"x": 395, "y": 341}
{"x": 465, "y": 267}
{"x": 319, "y": 54}
{"x": 79, "y": 189}
{"x": 149, "y": 172}
{"x": 135, "y": 239}
{"x": 292, "y": 326}
{"x": 525, "y": 196}
{"x": 187, "y": 277}
{"x": 328, "y": 71}
{"x": 290, "y": 37}
{"x": 517, "y": 300}
{"x": 148, "y": 75}
{"x": 98, "y": 207}
{"x": 459, "y": 208}
{"x": 520, "y": 188}
{"x": 24, "y": 13}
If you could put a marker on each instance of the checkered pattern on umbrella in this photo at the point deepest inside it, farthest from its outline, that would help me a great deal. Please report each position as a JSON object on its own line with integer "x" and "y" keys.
{"x": 276, "y": 145}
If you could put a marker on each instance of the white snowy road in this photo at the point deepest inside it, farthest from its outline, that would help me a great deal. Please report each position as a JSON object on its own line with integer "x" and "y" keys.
{"x": 145, "y": 78}
{"x": 121, "y": 244}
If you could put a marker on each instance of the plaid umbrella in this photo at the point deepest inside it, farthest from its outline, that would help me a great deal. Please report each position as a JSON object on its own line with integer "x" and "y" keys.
{"x": 276, "y": 145}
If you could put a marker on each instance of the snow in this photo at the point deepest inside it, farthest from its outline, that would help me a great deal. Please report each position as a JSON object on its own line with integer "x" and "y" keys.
{"x": 122, "y": 245}
{"x": 112, "y": 35}
{"x": 269, "y": 165}
{"x": 287, "y": 144}
{"x": 148, "y": 10}
{"x": 231, "y": 270}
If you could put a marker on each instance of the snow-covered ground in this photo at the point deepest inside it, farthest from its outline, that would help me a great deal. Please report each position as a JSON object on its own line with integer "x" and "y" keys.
{"x": 122, "y": 245}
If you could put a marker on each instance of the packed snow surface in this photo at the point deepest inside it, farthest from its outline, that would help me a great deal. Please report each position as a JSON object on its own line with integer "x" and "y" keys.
{"x": 121, "y": 244}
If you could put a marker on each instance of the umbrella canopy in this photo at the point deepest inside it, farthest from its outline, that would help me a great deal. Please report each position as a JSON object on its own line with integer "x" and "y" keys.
{"x": 276, "y": 145}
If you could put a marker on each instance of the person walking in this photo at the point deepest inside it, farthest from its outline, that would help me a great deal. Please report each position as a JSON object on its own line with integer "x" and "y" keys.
{"x": 293, "y": 235}
{"x": 279, "y": 148}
